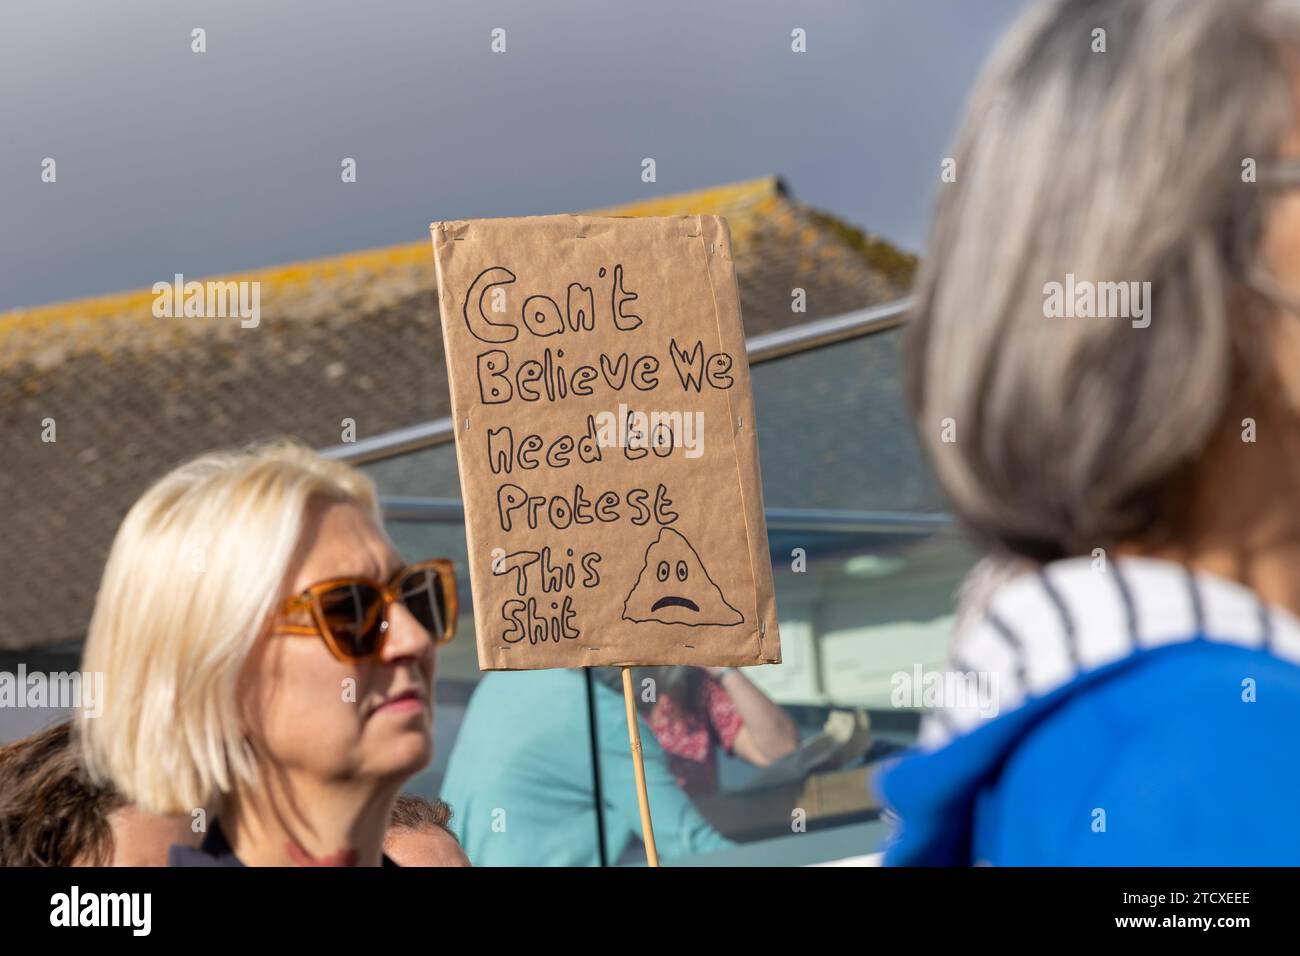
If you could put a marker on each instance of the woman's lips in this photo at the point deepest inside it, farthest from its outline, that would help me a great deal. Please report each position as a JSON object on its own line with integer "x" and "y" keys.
{"x": 405, "y": 702}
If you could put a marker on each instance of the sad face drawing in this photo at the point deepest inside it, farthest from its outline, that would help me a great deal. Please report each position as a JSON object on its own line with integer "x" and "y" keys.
{"x": 674, "y": 588}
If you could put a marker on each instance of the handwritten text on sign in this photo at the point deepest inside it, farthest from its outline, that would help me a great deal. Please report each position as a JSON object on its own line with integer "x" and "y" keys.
{"x": 585, "y": 416}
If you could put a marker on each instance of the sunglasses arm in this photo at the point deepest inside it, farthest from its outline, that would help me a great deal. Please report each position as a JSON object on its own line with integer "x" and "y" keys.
{"x": 304, "y": 630}
{"x": 296, "y": 605}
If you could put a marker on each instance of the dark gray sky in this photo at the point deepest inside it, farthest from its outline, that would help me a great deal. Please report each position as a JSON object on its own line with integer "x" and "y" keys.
{"x": 170, "y": 161}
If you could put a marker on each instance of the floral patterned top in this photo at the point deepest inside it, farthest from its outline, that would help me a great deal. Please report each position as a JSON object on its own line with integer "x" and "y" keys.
{"x": 689, "y": 735}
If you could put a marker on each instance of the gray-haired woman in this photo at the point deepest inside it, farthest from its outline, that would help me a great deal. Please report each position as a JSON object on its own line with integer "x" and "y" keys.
{"x": 1105, "y": 374}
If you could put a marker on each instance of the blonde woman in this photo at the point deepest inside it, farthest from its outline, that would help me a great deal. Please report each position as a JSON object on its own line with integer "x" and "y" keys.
{"x": 268, "y": 660}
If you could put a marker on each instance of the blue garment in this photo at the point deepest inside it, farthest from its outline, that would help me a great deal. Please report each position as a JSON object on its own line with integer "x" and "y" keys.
{"x": 520, "y": 783}
{"x": 1177, "y": 748}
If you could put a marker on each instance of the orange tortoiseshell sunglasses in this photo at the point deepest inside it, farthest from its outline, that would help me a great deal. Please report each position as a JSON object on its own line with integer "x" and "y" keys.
{"x": 351, "y": 614}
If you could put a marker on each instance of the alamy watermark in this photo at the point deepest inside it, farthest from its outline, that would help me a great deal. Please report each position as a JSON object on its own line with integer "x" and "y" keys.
{"x": 64, "y": 689}
{"x": 1084, "y": 299}
{"x": 133, "y": 911}
{"x": 214, "y": 299}
{"x": 656, "y": 431}
{"x": 637, "y": 433}
{"x": 951, "y": 690}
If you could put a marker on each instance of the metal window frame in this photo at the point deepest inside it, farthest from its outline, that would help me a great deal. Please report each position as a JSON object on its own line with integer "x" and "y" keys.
{"x": 452, "y": 510}
{"x": 759, "y": 348}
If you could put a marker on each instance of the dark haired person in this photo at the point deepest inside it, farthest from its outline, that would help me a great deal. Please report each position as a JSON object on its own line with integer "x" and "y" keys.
{"x": 52, "y": 814}
{"x": 1139, "y": 451}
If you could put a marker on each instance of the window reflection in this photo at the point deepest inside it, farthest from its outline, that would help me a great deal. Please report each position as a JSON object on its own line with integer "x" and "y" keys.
{"x": 768, "y": 765}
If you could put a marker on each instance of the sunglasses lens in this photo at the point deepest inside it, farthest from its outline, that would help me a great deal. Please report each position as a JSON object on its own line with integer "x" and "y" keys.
{"x": 421, "y": 591}
{"x": 354, "y": 614}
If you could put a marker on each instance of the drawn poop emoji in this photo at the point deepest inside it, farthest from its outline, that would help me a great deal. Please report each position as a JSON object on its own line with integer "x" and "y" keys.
{"x": 674, "y": 588}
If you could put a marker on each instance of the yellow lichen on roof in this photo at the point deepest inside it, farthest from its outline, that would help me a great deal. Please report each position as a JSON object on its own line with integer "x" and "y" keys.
{"x": 355, "y": 284}
{"x": 138, "y": 303}
{"x": 714, "y": 201}
{"x": 742, "y": 204}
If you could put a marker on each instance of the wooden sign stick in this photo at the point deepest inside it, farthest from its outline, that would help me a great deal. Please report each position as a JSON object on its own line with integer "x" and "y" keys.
{"x": 638, "y": 762}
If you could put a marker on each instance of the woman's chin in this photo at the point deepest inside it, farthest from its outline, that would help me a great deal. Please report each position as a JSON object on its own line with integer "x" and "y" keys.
{"x": 406, "y": 752}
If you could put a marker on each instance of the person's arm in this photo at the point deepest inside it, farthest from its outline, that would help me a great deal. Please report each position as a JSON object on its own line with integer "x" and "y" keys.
{"x": 679, "y": 828}
{"x": 768, "y": 733}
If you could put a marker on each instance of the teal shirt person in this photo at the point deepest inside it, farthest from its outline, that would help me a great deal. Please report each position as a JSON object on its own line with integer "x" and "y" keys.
{"x": 520, "y": 783}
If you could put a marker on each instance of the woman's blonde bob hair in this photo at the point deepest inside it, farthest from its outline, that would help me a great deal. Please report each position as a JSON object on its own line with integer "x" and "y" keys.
{"x": 194, "y": 575}
{"x": 1114, "y": 142}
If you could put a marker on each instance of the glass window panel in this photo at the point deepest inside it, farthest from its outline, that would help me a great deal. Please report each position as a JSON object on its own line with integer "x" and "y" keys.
{"x": 833, "y": 429}
{"x": 834, "y": 433}
{"x": 427, "y": 473}
{"x": 865, "y": 567}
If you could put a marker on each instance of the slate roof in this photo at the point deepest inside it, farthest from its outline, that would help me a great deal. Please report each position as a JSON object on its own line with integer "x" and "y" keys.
{"x": 352, "y": 336}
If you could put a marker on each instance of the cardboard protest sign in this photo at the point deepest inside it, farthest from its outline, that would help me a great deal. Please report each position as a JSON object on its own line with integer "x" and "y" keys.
{"x": 606, "y": 443}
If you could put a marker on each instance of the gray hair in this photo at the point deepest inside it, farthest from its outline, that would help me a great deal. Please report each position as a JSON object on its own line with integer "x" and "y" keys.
{"x": 1052, "y": 436}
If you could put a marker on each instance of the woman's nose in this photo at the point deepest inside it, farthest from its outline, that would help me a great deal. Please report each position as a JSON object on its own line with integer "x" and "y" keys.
{"x": 406, "y": 635}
